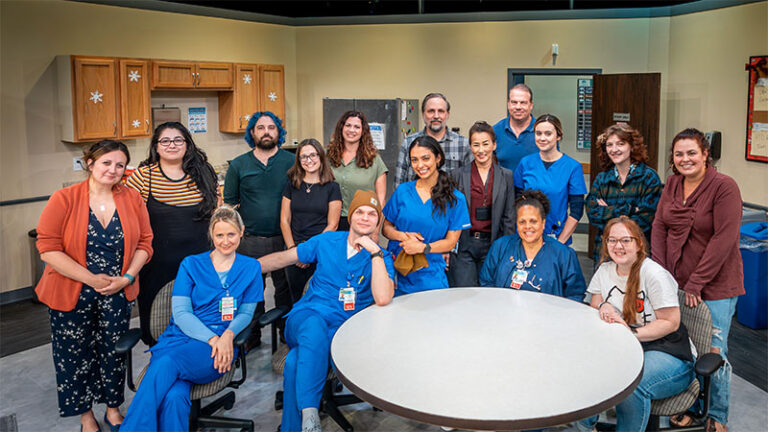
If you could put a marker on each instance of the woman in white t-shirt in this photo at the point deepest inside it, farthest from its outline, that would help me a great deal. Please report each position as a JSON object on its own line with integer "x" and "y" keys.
{"x": 632, "y": 290}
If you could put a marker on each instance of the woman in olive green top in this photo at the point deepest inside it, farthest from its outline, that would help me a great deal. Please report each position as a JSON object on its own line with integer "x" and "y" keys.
{"x": 355, "y": 161}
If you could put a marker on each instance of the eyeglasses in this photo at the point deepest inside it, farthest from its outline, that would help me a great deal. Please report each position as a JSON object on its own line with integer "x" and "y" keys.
{"x": 625, "y": 241}
{"x": 309, "y": 157}
{"x": 166, "y": 142}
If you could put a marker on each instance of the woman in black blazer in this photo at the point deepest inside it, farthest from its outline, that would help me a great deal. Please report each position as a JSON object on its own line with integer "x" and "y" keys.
{"x": 490, "y": 194}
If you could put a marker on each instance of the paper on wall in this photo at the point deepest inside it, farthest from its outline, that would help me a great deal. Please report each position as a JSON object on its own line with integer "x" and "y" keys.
{"x": 760, "y": 97}
{"x": 379, "y": 135}
{"x": 759, "y": 139}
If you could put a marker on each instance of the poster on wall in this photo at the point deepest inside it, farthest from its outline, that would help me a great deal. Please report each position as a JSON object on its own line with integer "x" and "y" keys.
{"x": 757, "y": 109}
{"x": 379, "y": 135}
{"x": 584, "y": 114}
{"x": 198, "y": 120}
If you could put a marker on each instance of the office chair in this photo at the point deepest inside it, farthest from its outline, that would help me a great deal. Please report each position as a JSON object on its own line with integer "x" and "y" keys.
{"x": 199, "y": 416}
{"x": 698, "y": 321}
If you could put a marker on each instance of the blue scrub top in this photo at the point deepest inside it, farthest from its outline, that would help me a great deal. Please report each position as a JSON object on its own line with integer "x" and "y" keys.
{"x": 334, "y": 271}
{"x": 198, "y": 280}
{"x": 408, "y": 213}
{"x": 564, "y": 177}
{"x": 511, "y": 148}
{"x": 555, "y": 269}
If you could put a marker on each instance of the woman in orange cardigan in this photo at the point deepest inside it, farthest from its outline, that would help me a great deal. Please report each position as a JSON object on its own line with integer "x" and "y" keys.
{"x": 94, "y": 237}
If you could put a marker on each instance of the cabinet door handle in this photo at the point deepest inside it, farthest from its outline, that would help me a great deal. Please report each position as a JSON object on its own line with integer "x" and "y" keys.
{"x": 194, "y": 79}
{"x": 147, "y": 120}
{"x": 198, "y": 79}
{"x": 115, "y": 125}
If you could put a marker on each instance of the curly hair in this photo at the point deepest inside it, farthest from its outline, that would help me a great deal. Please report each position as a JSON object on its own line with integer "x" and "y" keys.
{"x": 442, "y": 192}
{"x": 696, "y": 135}
{"x": 366, "y": 151}
{"x": 195, "y": 165}
{"x": 296, "y": 173}
{"x": 534, "y": 198}
{"x": 252, "y": 124}
{"x": 628, "y": 134}
{"x": 633, "y": 281}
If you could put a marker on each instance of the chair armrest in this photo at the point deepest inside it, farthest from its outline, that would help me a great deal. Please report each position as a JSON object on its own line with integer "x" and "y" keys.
{"x": 128, "y": 341}
{"x": 707, "y": 364}
{"x": 271, "y": 316}
{"x": 243, "y": 336}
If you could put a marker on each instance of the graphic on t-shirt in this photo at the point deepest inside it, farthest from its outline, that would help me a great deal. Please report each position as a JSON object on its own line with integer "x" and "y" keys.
{"x": 639, "y": 304}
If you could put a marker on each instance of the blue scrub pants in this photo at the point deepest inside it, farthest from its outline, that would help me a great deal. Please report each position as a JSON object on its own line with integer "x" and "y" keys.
{"x": 309, "y": 336}
{"x": 162, "y": 402}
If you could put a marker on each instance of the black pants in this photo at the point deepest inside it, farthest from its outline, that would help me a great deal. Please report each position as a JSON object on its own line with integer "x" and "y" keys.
{"x": 466, "y": 264}
{"x": 297, "y": 279}
{"x": 83, "y": 342}
{"x": 257, "y": 247}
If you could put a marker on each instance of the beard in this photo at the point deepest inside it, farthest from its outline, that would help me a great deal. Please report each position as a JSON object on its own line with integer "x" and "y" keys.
{"x": 266, "y": 143}
{"x": 436, "y": 127}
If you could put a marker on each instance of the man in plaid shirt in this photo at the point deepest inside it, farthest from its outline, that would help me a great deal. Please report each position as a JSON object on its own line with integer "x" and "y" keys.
{"x": 435, "y": 111}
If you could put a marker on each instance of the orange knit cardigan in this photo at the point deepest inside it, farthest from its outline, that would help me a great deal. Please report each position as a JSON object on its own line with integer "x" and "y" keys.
{"x": 63, "y": 227}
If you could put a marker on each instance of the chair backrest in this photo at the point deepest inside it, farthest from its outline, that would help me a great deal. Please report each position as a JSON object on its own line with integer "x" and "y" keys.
{"x": 161, "y": 312}
{"x": 698, "y": 321}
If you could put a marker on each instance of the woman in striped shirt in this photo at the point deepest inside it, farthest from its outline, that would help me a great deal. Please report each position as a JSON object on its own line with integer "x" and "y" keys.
{"x": 180, "y": 189}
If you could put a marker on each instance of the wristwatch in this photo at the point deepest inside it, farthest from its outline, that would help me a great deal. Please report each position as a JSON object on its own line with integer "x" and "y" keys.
{"x": 380, "y": 253}
{"x": 427, "y": 248}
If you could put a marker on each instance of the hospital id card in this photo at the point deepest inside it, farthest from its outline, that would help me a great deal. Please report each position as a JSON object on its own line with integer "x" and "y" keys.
{"x": 347, "y": 296}
{"x": 518, "y": 278}
{"x": 227, "y": 307}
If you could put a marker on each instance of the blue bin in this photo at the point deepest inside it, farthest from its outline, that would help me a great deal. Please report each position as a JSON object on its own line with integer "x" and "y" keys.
{"x": 753, "y": 305}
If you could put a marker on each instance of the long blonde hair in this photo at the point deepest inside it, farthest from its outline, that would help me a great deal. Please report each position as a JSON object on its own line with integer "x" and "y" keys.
{"x": 629, "y": 309}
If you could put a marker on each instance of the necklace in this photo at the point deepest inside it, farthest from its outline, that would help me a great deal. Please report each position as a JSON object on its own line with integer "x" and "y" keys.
{"x": 309, "y": 186}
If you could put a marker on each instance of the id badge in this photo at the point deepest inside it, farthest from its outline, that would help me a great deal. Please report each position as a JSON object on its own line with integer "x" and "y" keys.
{"x": 347, "y": 296}
{"x": 227, "y": 308}
{"x": 518, "y": 278}
{"x": 483, "y": 213}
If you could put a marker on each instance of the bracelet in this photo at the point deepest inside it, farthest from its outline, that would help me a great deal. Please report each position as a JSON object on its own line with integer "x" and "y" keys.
{"x": 130, "y": 278}
{"x": 601, "y": 304}
{"x": 427, "y": 249}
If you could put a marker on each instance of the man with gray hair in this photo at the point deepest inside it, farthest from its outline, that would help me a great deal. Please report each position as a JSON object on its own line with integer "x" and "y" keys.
{"x": 435, "y": 110}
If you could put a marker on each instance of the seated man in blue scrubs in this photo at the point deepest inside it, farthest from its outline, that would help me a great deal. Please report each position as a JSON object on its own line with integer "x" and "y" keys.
{"x": 531, "y": 261}
{"x": 352, "y": 273}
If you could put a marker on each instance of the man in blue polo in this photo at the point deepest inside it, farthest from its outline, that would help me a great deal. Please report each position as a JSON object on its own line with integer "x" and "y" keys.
{"x": 514, "y": 134}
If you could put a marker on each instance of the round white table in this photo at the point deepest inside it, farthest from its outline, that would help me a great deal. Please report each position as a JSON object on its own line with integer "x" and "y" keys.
{"x": 487, "y": 358}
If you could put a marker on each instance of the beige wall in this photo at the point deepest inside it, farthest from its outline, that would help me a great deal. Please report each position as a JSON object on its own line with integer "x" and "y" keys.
{"x": 707, "y": 84}
{"x": 700, "y": 56}
{"x": 34, "y": 162}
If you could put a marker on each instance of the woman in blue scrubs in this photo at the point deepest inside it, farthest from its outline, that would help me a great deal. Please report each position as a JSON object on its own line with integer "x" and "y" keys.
{"x": 531, "y": 261}
{"x": 556, "y": 174}
{"x": 214, "y": 296}
{"x": 425, "y": 216}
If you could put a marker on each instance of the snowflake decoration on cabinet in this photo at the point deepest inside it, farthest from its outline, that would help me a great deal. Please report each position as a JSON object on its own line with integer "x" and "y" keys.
{"x": 272, "y": 96}
{"x": 247, "y": 79}
{"x": 96, "y": 97}
{"x": 247, "y": 116}
{"x": 135, "y": 123}
{"x": 134, "y": 76}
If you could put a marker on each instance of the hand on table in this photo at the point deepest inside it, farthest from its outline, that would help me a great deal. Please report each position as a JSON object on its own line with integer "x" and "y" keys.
{"x": 609, "y": 314}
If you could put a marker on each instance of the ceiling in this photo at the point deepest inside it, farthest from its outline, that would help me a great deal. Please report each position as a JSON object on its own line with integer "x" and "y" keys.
{"x": 347, "y": 8}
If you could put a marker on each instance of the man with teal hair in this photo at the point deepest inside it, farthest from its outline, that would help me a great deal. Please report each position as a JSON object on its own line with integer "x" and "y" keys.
{"x": 254, "y": 185}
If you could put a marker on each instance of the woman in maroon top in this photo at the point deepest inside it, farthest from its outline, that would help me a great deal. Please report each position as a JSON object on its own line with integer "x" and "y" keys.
{"x": 696, "y": 238}
{"x": 490, "y": 193}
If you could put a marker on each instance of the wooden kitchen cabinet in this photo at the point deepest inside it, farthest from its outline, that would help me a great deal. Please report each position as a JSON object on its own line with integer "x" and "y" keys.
{"x": 170, "y": 75}
{"x": 87, "y": 98}
{"x": 272, "y": 89}
{"x": 135, "y": 106}
{"x": 237, "y": 106}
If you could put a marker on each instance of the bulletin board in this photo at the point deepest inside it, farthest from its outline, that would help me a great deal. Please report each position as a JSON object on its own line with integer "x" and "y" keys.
{"x": 757, "y": 109}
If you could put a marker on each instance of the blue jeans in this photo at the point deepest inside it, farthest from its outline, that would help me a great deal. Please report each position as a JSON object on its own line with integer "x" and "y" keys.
{"x": 722, "y": 313}
{"x": 663, "y": 376}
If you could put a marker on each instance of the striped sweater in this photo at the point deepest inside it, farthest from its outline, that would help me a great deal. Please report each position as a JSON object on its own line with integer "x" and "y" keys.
{"x": 179, "y": 193}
